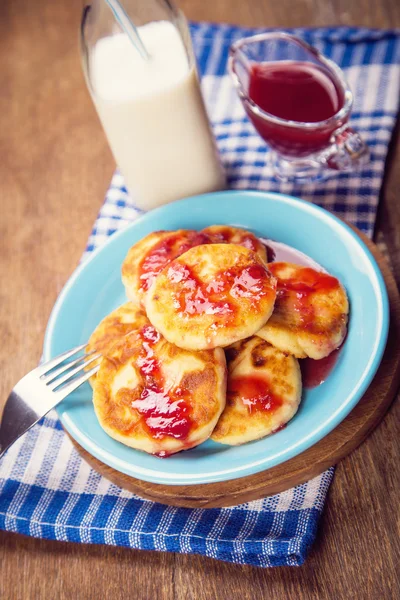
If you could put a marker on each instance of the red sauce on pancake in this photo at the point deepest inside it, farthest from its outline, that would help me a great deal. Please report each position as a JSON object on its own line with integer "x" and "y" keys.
{"x": 300, "y": 292}
{"x": 254, "y": 392}
{"x": 314, "y": 372}
{"x": 165, "y": 412}
{"x": 307, "y": 282}
{"x": 195, "y": 297}
{"x": 165, "y": 251}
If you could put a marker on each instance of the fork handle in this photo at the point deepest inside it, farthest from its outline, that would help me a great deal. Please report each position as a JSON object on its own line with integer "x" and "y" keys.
{"x": 17, "y": 418}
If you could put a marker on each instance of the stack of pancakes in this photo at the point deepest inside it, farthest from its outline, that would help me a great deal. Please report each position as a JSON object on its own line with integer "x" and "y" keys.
{"x": 209, "y": 341}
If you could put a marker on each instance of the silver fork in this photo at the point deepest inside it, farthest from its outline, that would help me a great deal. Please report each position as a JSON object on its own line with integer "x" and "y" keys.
{"x": 41, "y": 390}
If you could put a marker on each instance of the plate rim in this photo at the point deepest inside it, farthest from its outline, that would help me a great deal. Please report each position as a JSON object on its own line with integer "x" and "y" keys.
{"x": 315, "y": 435}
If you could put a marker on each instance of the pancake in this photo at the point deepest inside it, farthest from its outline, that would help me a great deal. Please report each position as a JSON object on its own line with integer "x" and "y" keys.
{"x": 211, "y": 296}
{"x": 226, "y": 234}
{"x": 264, "y": 392}
{"x": 149, "y": 256}
{"x": 121, "y": 321}
{"x": 158, "y": 398}
{"x": 310, "y": 314}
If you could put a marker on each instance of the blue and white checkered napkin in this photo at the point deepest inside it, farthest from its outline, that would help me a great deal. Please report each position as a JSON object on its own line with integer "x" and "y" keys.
{"x": 47, "y": 490}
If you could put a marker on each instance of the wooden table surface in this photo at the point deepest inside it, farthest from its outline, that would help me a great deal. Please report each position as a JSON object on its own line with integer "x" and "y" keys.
{"x": 54, "y": 169}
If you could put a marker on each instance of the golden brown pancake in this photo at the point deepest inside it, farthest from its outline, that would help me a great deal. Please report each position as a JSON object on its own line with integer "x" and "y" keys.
{"x": 226, "y": 234}
{"x": 158, "y": 398}
{"x": 310, "y": 314}
{"x": 121, "y": 321}
{"x": 264, "y": 392}
{"x": 149, "y": 256}
{"x": 211, "y": 296}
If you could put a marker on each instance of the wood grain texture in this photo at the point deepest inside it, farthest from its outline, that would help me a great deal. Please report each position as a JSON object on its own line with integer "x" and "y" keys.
{"x": 339, "y": 443}
{"x": 54, "y": 169}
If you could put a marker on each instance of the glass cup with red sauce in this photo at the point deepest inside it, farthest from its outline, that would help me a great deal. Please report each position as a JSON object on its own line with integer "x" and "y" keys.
{"x": 300, "y": 103}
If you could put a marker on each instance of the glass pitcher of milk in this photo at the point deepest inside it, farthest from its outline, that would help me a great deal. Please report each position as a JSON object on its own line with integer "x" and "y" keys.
{"x": 152, "y": 110}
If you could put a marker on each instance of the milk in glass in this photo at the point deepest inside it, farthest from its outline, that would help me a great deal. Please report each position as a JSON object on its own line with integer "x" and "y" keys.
{"x": 154, "y": 116}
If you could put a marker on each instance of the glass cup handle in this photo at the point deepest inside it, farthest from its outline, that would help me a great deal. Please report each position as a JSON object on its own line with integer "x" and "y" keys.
{"x": 347, "y": 152}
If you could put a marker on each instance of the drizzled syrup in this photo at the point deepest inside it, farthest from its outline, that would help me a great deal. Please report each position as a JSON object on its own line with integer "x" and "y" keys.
{"x": 255, "y": 393}
{"x": 166, "y": 412}
{"x": 314, "y": 372}
{"x": 165, "y": 251}
{"x": 307, "y": 282}
{"x": 299, "y": 291}
{"x": 196, "y": 297}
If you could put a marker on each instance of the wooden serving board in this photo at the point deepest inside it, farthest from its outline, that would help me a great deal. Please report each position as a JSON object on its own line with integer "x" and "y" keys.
{"x": 341, "y": 441}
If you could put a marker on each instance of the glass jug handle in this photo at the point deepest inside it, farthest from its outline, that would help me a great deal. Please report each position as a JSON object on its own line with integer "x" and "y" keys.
{"x": 347, "y": 151}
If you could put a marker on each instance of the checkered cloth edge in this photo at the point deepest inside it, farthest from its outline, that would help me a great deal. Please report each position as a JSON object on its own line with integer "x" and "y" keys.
{"x": 48, "y": 491}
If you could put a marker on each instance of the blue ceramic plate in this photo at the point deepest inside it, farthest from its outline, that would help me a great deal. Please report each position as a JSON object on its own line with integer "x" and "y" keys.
{"x": 95, "y": 289}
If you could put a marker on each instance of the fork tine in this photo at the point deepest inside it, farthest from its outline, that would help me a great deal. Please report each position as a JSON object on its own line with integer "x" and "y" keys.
{"x": 76, "y": 382}
{"x": 54, "y": 362}
{"x": 55, "y": 383}
{"x": 31, "y": 398}
{"x": 49, "y": 377}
